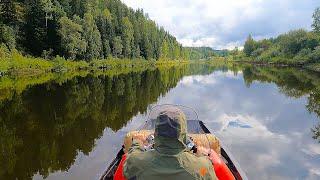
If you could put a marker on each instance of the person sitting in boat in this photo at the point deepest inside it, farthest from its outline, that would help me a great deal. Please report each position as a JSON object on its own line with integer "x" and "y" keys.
{"x": 170, "y": 159}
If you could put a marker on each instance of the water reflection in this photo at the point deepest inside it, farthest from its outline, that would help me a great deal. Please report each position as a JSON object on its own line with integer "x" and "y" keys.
{"x": 43, "y": 128}
{"x": 70, "y": 129}
{"x": 260, "y": 114}
{"x": 293, "y": 83}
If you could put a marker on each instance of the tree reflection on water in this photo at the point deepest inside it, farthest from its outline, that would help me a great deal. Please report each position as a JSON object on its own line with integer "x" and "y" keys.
{"x": 49, "y": 123}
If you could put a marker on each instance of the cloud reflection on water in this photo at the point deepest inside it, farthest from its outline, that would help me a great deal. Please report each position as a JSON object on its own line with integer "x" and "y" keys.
{"x": 278, "y": 144}
{"x": 267, "y": 132}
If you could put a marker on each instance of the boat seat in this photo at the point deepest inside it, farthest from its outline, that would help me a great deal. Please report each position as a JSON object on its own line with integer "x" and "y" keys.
{"x": 204, "y": 142}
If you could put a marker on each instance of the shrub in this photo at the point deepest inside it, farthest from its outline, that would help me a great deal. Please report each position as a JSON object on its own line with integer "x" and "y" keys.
{"x": 59, "y": 64}
{"x": 7, "y": 36}
{"x": 303, "y": 56}
{"x": 257, "y": 52}
{"x": 315, "y": 55}
{"x": 4, "y": 51}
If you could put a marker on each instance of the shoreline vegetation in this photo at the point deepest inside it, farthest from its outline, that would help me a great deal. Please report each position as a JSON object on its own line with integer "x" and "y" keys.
{"x": 62, "y": 37}
{"x": 297, "y": 48}
{"x": 15, "y": 64}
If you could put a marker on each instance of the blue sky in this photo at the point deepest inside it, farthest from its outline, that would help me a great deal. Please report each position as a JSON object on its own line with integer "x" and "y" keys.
{"x": 226, "y": 24}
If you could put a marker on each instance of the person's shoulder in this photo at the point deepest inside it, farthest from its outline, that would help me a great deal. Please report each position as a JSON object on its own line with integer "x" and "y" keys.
{"x": 198, "y": 166}
{"x": 196, "y": 160}
{"x": 136, "y": 162}
{"x": 139, "y": 157}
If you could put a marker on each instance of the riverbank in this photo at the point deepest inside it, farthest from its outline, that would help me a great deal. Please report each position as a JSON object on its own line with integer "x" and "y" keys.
{"x": 313, "y": 67}
{"x": 308, "y": 66}
{"x": 15, "y": 64}
{"x": 11, "y": 85}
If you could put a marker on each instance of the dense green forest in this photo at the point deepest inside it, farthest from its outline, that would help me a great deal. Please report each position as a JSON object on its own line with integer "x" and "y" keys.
{"x": 205, "y": 53}
{"x": 222, "y": 53}
{"x": 297, "y": 47}
{"x": 83, "y": 30}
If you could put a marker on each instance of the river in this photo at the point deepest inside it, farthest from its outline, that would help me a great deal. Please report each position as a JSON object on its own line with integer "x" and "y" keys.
{"x": 72, "y": 128}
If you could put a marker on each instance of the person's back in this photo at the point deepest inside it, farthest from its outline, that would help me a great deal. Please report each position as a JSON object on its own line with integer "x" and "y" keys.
{"x": 170, "y": 159}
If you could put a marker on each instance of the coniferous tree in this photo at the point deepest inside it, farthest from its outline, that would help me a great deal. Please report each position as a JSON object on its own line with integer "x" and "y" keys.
{"x": 117, "y": 46}
{"x": 35, "y": 27}
{"x": 127, "y": 37}
{"x": 71, "y": 38}
{"x": 249, "y": 46}
{"x": 41, "y": 26}
{"x": 93, "y": 38}
{"x": 11, "y": 12}
{"x": 316, "y": 20}
{"x": 164, "y": 49}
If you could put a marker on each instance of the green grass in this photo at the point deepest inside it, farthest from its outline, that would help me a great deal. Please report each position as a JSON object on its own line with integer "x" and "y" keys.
{"x": 14, "y": 63}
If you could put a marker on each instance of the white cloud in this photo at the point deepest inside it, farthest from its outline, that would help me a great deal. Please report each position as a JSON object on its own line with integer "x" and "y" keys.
{"x": 225, "y": 24}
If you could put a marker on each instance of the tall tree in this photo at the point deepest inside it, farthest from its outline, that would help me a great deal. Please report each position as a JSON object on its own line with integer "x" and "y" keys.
{"x": 117, "y": 46}
{"x": 164, "y": 49}
{"x": 249, "y": 46}
{"x": 127, "y": 37}
{"x": 104, "y": 25}
{"x": 35, "y": 27}
{"x": 10, "y": 12}
{"x": 316, "y": 20}
{"x": 92, "y": 35}
{"x": 71, "y": 38}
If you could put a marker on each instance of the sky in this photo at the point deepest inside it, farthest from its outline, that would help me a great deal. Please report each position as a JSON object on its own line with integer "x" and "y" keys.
{"x": 226, "y": 24}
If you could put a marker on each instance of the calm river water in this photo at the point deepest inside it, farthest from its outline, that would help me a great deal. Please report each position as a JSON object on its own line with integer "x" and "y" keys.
{"x": 71, "y": 129}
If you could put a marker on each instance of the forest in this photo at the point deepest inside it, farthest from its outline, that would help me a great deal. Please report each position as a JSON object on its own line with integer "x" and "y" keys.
{"x": 204, "y": 53}
{"x": 297, "y": 47}
{"x": 84, "y": 30}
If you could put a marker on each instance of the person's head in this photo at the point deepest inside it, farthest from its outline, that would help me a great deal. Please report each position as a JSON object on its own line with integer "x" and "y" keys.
{"x": 171, "y": 130}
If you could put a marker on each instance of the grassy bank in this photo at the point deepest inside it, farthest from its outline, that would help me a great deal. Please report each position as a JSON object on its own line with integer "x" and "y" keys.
{"x": 309, "y": 66}
{"x": 313, "y": 67}
{"x": 13, "y": 63}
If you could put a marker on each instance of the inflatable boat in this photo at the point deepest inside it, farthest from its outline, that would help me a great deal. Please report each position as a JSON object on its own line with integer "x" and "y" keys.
{"x": 201, "y": 140}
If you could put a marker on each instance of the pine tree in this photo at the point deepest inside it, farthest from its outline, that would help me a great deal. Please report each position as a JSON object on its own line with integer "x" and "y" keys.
{"x": 249, "y": 46}
{"x": 127, "y": 37}
{"x": 117, "y": 46}
{"x": 316, "y": 20}
{"x": 10, "y": 12}
{"x": 164, "y": 49}
{"x": 71, "y": 38}
{"x": 93, "y": 38}
{"x": 35, "y": 28}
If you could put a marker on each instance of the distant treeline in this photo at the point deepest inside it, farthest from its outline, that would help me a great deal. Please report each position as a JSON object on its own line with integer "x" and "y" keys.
{"x": 296, "y": 47}
{"x": 200, "y": 52}
{"x": 84, "y": 30}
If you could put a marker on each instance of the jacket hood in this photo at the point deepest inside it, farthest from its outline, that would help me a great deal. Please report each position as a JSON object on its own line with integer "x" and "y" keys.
{"x": 170, "y": 131}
